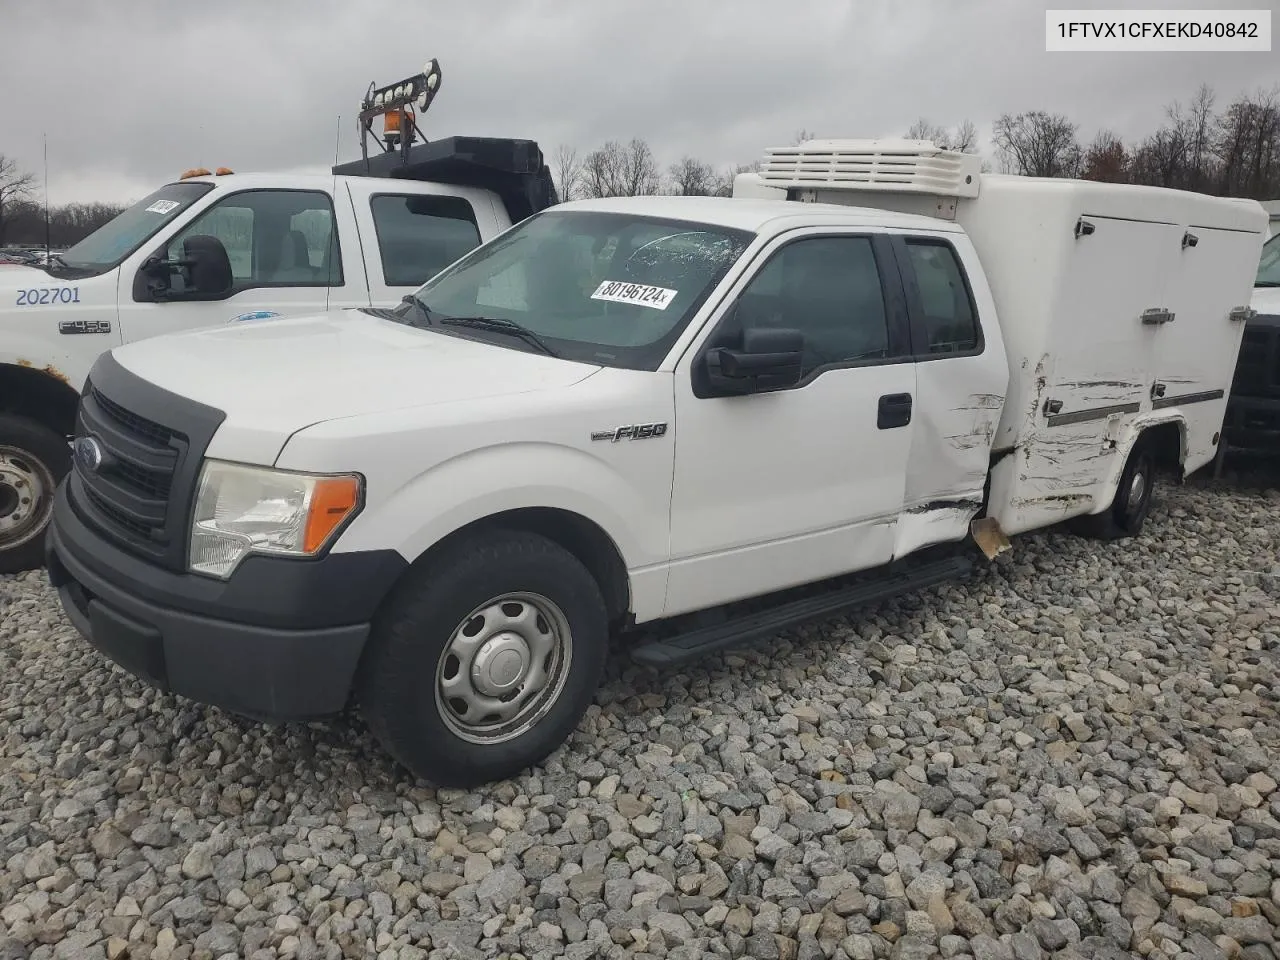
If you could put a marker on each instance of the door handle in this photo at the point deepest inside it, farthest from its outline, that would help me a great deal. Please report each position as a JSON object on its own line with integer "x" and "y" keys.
{"x": 894, "y": 411}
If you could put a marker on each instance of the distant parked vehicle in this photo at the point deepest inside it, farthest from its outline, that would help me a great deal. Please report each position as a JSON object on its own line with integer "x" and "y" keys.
{"x": 1252, "y": 422}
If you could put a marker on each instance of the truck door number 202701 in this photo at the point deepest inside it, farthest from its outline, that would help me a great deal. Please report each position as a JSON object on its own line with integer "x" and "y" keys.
{"x": 40, "y": 296}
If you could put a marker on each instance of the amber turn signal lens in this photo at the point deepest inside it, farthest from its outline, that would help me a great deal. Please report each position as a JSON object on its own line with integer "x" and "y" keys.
{"x": 333, "y": 500}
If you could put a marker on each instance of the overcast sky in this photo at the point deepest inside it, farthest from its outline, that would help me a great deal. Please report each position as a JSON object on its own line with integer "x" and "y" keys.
{"x": 132, "y": 92}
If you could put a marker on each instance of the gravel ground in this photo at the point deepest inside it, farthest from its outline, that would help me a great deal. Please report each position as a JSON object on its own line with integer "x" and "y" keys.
{"x": 1075, "y": 755}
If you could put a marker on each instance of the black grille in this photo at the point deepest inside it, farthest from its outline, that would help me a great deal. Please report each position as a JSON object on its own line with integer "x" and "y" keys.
{"x": 152, "y": 444}
{"x": 127, "y": 494}
{"x": 1258, "y": 367}
{"x": 141, "y": 426}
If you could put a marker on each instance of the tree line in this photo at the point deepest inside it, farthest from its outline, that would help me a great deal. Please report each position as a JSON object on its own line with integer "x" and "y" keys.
{"x": 22, "y": 220}
{"x": 1233, "y": 152}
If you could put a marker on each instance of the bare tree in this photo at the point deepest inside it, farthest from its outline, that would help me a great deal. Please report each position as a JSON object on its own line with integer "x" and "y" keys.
{"x": 802, "y": 135}
{"x": 15, "y": 186}
{"x": 620, "y": 170}
{"x": 693, "y": 178}
{"x": 1038, "y": 144}
{"x": 1106, "y": 159}
{"x": 568, "y": 171}
{"x": 963, "y": 138}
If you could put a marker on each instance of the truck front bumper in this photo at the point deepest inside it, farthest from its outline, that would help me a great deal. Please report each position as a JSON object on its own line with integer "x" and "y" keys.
{"x": 279, "y": 640}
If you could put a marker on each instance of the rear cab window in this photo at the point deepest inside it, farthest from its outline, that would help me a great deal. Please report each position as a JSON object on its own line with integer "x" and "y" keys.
{"x": 420, "y": 234}
{"x": 945, "y": 317}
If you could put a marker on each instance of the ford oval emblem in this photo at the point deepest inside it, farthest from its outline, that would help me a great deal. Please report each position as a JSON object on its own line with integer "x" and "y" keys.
{"x": 87, "y": 453}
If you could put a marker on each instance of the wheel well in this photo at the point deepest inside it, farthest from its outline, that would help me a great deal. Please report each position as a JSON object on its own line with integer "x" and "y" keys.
{"x": 42, "y": 394}
{"x": 581, "y": 537}
{"x": 1166, "y": 445}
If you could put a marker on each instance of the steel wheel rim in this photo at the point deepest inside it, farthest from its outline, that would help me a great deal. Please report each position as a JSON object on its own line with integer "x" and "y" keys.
{"x": 1137, "y": 490}
{"x": 503, "y": 668}
{"x": 26, "y": 497}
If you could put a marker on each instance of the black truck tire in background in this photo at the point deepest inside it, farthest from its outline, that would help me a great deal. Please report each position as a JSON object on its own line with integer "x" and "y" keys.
{"x": 1128, "y": 511}
{"x": 499, "y": 620}
{"x": 33, "y": 461}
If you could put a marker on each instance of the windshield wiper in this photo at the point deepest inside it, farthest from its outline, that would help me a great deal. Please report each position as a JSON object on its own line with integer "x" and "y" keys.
{"x": 501, "y": 326}
{"x": 1267, "y": 283}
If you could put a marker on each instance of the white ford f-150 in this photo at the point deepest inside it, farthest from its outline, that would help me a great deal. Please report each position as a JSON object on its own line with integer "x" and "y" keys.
{"x": 688, "y": 421}
{"x": 210, "y": 249}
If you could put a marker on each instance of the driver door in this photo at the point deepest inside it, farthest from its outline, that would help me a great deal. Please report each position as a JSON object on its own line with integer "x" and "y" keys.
{"x": 803, "y": 483}
{"x": 285, "y": 257}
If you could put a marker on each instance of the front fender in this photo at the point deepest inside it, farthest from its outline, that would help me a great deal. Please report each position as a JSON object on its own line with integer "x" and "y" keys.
{"x": 631, "y": 507}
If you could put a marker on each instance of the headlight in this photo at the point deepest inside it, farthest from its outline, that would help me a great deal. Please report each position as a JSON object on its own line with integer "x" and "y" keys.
{"x": 242, "y": 510}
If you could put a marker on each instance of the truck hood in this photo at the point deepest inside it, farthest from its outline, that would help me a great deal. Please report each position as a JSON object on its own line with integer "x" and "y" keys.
{"x": 18, "y": 276}
{"x": 1266, "y": 300}
{"x": 275, "y": 377}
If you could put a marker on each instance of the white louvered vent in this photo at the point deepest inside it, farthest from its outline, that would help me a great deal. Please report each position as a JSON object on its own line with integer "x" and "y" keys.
{"x": 900, "y": 166}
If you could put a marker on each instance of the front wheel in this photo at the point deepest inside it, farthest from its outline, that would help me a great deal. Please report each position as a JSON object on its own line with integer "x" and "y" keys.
{"x": 484, "y": 661}
{"x": 33, "y": 459}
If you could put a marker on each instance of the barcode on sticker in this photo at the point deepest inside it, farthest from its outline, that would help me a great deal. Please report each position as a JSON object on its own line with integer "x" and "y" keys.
{"x": 162, "y": 206}
{"x": 659, "y": 298}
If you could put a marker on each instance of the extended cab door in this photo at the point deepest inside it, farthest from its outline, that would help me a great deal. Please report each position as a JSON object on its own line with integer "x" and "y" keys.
{"x": 293, "y": 251}
{"x": 962, "y": 377}
{"x": 798, "y": 484}
{"x": 412, "y": 230}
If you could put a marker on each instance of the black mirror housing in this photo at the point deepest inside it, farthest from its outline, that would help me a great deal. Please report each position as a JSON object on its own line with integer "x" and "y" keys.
{"x": 767, "y": 360}
{"x": 210, "y": 267}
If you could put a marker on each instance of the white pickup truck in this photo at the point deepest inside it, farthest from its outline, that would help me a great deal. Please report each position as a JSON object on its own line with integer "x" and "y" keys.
{"x": 206, "y": 250}
{"x": 688, "y": 421}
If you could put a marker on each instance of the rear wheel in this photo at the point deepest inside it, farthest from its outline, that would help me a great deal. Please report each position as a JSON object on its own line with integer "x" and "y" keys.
{"x": 1128, "y": 511}
{"x": 485, "y": 661}
{"x": 33, "y": 459}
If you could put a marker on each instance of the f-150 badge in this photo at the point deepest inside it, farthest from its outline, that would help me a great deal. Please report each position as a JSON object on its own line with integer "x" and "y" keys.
{"x": 634, "y": 431}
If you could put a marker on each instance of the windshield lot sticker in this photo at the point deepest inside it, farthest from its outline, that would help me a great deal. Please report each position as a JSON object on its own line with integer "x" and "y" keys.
{"x": 163, "y": 206}
{"x": 657, "y": 298}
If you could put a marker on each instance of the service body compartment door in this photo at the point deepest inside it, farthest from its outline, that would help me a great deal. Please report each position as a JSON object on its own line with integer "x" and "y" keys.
{"x": 1094, "y": 376}
{"x": 1196, "y": 350}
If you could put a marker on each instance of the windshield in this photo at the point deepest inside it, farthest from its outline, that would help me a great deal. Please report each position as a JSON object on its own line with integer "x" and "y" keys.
{"x": 1269, "y": 268}
{"x": 120, "y": 236}
{"x": 608, "y": 288}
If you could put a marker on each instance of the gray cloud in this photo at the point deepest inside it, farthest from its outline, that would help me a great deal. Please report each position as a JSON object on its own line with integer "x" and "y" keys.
{"x": 132, "y": 92}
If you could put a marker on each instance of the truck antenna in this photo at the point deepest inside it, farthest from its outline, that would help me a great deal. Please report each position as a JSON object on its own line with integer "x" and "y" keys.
{"x": 46, "y": 196}
{"x": 333, "y": 226}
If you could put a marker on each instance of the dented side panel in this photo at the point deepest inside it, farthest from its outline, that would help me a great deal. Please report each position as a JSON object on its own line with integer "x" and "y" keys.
{"x": 1092, "y": 383}
{"x": 957, "y": 410}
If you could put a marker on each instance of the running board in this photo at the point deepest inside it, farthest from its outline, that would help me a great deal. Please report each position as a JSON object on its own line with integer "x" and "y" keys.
{"x": 743, "y": 630}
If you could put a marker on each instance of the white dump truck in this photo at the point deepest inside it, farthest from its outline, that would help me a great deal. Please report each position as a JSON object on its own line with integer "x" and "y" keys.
{"x": 690, "y": 422}
{"x": 213, "y": 247}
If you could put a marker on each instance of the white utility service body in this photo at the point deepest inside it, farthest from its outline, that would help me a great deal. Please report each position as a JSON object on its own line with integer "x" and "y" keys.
{"x": 294, "y": 244}
{"x": 632, "y": 414}
{"x": 1122, "y": 308}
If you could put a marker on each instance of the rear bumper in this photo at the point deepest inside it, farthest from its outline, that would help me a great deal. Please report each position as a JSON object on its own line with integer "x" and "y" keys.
{"x": 1252, "y": 423}
{"x": 228, "y": 645}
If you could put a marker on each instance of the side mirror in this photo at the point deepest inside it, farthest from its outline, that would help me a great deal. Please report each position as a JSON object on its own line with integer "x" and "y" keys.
{"x": 208, "y": 266}
{"x": 767, "y": 360}
{"x": 205, "y": 270}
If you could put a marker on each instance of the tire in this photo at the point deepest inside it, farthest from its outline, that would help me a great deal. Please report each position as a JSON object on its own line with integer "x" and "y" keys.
{"x": 1128, "y": 511}
{"x": 494, "y": 598}
{"x": 33, "y": 461}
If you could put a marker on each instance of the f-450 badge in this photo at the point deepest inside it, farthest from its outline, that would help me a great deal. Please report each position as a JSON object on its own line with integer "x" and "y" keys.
{"x": 634, "y": 431}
